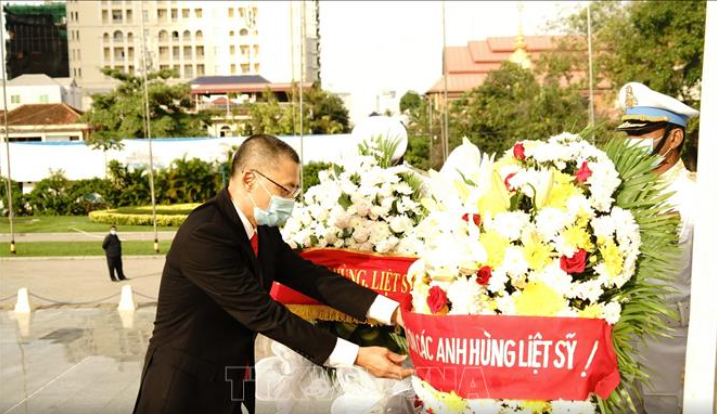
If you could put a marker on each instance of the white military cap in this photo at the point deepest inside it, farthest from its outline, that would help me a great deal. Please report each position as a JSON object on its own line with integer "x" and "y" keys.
{"x": 644, "y": 107}
{"x": 390, "y": 129}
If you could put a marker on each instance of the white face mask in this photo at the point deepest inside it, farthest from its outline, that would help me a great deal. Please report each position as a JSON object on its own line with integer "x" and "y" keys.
{"x": 113, "y": 232}
{"x": 648, "y": 145}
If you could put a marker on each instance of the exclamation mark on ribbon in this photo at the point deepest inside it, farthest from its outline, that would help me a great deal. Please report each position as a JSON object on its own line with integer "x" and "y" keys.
{"x": 590, "y": 360}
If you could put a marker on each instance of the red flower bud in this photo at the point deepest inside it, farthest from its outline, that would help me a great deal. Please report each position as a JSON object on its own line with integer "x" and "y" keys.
{"x": 519, "y": 151}
{"x": 583, "y": 173}
{"x": 474, "y": 217}
{"x": 575, "y": 264}
{"x": 483, "y": 275}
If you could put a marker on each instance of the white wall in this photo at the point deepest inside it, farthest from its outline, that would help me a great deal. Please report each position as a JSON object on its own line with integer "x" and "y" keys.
{"x": 33, "y": 94}
{"x": 31, "y": 162}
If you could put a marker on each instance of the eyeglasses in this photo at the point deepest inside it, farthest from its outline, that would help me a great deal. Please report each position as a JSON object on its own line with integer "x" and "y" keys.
{"x": 290, "y": 193}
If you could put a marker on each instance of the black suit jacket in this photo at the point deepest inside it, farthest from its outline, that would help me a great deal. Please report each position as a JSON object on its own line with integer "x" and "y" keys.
{"x": 214, "y": 299}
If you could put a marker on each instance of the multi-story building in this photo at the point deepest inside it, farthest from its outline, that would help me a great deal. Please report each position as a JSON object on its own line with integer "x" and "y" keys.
{"x": 196, "y": 38}
{"x": 35, "y": 39}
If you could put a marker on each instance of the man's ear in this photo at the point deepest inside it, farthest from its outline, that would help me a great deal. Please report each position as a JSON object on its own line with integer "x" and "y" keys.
{"x": 247, "y": 178}
{"x": 676, "y": 137}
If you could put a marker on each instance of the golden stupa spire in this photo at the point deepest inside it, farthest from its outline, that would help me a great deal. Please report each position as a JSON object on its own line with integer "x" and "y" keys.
{"x": 520, "y": 56}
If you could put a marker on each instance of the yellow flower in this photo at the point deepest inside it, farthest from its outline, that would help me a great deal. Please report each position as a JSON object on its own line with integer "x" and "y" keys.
{"x": 538, "y": 299}
{"x": 496, "y": 199}
{"x": 562, "y": 190}
{"x": 612, "y": 257}
{"x": 455, "y": 403}
{"x": 536, "y": 253}
{"x": 577, "y": 237}
{"x": 495, "y": 246}
{"x": 592, "y": 311}
{"x": 536, "y": 406}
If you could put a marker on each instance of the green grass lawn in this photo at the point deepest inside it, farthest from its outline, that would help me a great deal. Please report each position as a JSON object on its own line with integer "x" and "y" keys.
{"x": 39, "y": 249}
{"x": 65, "y": 224}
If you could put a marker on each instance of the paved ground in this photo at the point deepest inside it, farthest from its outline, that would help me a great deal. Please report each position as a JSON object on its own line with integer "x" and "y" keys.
{"x": 83, "y": 236}
{"x": 77, "y": 280}
{"x": 81, "y": 358}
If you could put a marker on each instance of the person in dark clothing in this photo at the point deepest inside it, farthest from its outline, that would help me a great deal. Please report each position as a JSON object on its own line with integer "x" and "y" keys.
{"x": 113, "y": 251}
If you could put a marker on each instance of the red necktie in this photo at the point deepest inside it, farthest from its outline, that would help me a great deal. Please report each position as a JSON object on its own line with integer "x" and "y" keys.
{"x": 255, "y": 243}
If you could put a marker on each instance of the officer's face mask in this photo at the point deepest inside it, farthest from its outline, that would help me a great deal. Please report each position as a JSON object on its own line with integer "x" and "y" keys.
{"x": 278, "y": 212}
{"x": 113, "y": 232}
{"x": 649, "y": 145}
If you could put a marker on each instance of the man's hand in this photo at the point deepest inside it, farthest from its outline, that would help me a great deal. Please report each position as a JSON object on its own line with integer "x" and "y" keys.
{"x": 382, "y": 363}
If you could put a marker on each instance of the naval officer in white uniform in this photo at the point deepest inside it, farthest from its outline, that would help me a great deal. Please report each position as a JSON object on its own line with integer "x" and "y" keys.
{"x": 658, "y": 122}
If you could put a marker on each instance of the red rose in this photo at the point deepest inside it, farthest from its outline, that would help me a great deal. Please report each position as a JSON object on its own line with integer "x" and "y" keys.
{"x": 575, "y": 264}
{"x": 519, "y": 151}
{"x": 437, "y": 299}
{"x": 483, "y": 275}
{"x": 583, "y": 173}
{"x": 507, "y": 182}
{"x": 475, "y": 217}
{"x": 417, "y": 403}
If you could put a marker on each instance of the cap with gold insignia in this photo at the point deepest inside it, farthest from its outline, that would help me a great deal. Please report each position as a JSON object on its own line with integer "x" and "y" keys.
{"x": 645, "y": 108}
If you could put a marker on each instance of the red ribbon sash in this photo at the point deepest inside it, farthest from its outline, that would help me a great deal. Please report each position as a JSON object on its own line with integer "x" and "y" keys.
{"x": 385, "y": 275}
{"x": 513, "y": 357}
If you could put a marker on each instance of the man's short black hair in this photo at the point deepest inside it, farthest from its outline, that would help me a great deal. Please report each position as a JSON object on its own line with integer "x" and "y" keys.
{"x": 261, "y": 150}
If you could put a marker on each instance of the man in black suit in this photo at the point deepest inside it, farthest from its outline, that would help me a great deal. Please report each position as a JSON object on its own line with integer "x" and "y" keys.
{"x": 214, "y": 295}
{"x": 113, "y": 252}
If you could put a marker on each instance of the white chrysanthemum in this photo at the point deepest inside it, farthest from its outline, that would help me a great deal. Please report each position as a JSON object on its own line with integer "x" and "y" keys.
{"x": 555, "y": 277}
{"x": 572, "y": 407}
{"x": 464, "y": 295}
{"x": 589, "y": 290}
{"x": 551, "y": 221}
{"x": 508, "y": 225}
{"x": 514, "y": 263}
{"x": 611, "y": 311}
{"x": 506, "y": 304}
{"x": 498, "y": 280}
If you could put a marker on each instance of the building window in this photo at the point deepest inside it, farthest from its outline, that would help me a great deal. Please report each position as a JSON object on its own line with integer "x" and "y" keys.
{"x": 241, "y": 12}
{"x": 187, "y": 52}
{"x": 128, "y": 15}
{"x": 234, "y": 69}
{"x": 105, "y": 16}
{"x": 77, "y": 35}
{"x": 145, "y": 16}
{"x": 78, "y": 54}
{"x": 188, "y": 73}
{"x": 119, "y": 53}
{"x": 243, "y": 32}
{"x": 245, "y": 68}
{"x": 44, "y": 99}
{"x": 106, "y": 37}
{"x": 163, "y": 67}
{"x": 175, "y": 53}
{"x": 185, "y": 13}
{"x": 231, "y": 12}
{"x": 199, "y": 36}
{"x": 187, "y": 35}
{"x": 198, "y": 13}
{"x": 177, "y": 68}
{"x": 200, "y": 70}
{"x": 15, "y": 99}
{"x": 163, "y": 36}
{"x": 175, "y": 36}
{"x": 231, "y": 50}
{"x": 130, "y": 53}
{"x": 116, "y": 16}
{"x": 231, "y": 33}
{"x": 175, "y": 15}
{"x": 256, "y": 50}
{"x": 79, "y": 72}
{"x": 162, "y": 15}
{"x": 256, "y": 68}
{"x": 164, "y": 53}
{"x": 117, "y": 36}
{"x": 244, "y": 50}
{"x": 199, "y": 52}
{"x": 130, "y": 38}
{"x": 107, "y": 53}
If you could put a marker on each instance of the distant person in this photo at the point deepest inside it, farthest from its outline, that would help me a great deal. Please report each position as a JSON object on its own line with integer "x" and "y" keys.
{"x": 113, "y": 252}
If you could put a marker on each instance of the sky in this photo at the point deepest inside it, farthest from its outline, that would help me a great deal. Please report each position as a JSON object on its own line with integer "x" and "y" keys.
{"x": 372, "y": 47}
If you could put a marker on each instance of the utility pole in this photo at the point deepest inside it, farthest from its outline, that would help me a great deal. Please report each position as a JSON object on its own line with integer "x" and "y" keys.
{"x": 7, "y": 131}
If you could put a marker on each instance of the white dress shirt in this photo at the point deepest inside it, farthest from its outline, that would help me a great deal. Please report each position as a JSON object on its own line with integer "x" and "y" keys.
{"x": 345, "y": 352}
